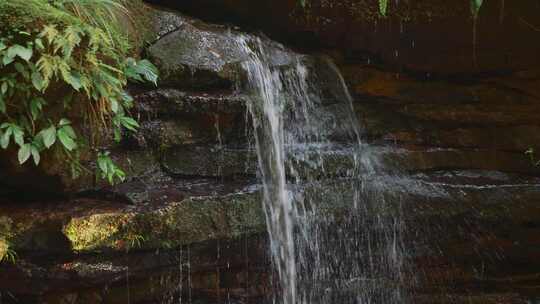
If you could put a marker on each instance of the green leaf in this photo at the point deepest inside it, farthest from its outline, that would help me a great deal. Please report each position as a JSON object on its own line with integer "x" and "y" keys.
{"x": 64, "y": 122}
{"x": 38, "y": 81}
{"x": 129, "y": 123}
{"x": 7, "y": 59}
{"x": 127, "y": 100}
{"x": 114, "y": 105}
{"x": 66, "y": 139}
{"x": 75, "y": 81}
{"x": 69, "y": 131}
{"x": 35, "y": 108}
{"x": 2, "y": 105}
{"x": 141, "y": 70}
{"x": 22, "y": 70}
{"x": 475, "y": 7}
{"x": 24, "y": 153}
{"x": 102, "y": 163}
{"x": 4, "y": 139}
{"x": 117, "y": 135}
{"x": 108, "y": 170}
{"x": 39, "y": 44}
{"x": 4, "y": 88}
{"x": 48, "y": 136}
{"x": 20, "y": 51}
{"x": 35, "y": 155}
{"x": 2, "y": 46}
{"x": 148, "y": 70}
{"x": 50, "y": 32}
{"x": 18, "y": 135}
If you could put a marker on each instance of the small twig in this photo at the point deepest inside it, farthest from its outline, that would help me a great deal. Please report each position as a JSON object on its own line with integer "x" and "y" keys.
{"x": 533, "y": 27}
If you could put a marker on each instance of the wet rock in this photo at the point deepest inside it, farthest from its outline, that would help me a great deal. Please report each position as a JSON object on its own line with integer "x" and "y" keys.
{"x": 203, "y": 57}
{"x": 208, "y": 161}
{"x": 227, "y": 162}
{"x": 171, "y": 118}
{"x": 430, "y": 36}
{"x": 164, "y": 22}
{"x": 473, "y": 202}
{"x": 160, "y": 213}
{"x": 432, "y": 159}
{"x": 479, "y": 113}
{"x": 173, "y": 102}
{"x": 476, "y": 298}
{"x": 190, "y": 221}
{"x": 214, "y": 269}
{"x": 196, "y": 55}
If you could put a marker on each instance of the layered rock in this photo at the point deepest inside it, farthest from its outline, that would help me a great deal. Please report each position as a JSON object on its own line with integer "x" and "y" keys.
{"x": 426, "y": 36}
{"x": 466, "y": 190}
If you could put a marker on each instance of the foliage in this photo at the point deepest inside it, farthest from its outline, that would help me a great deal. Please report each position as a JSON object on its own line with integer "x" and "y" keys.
{"x": 10, "y": 256}
{"x": 64, "y": 61}
{"x": 108, "y": 169}
{"x": 383, "y": 7}
{"x": 475, "y": 7}
{"x": 134, "y": 241}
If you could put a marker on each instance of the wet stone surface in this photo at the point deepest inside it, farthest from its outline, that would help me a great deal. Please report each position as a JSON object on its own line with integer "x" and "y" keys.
{"x": 189, "y": 224}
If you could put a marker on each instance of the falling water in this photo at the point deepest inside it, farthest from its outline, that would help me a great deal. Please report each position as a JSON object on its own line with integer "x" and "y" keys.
{"x": 335, "y": 238}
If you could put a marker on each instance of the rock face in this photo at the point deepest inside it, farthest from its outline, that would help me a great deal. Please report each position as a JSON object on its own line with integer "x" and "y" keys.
{"x": 430, "y": 35}
{"x": 197, "y": 58}
{"x": 189, "y": 223}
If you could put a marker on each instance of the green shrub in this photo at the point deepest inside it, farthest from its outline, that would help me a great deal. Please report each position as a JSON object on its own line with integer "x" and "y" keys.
{"x": 64, "y": 65}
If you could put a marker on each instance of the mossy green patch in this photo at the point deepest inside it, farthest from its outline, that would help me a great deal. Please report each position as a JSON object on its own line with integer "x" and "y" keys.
{"x": 95, "y": 231}
{"x": 190, "y": 221}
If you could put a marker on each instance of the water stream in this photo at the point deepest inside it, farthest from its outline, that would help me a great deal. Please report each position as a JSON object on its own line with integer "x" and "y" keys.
{"x": 335, "y": 238}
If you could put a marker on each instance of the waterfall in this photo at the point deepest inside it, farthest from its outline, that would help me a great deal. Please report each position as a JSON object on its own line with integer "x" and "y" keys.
{"x": 335, "y": 237}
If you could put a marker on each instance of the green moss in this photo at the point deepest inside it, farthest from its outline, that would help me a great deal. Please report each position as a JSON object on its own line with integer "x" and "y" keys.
{"x": 181, "y": 223}
{"x": 95, "y": 231}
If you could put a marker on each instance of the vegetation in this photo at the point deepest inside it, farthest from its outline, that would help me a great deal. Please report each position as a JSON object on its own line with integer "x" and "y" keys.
{"x": 64, "y": 65}
{"x": 9, "y": 257}
{"x": 383, "y": 7}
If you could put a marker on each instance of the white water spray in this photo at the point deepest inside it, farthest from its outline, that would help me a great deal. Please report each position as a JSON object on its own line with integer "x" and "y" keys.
{"x": 334, "y": 237}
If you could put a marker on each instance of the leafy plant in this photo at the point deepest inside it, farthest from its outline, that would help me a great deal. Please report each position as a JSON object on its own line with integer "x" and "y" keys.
{"x": 134, "y": 241}
{"x": 383, "y": 7}
{"x": 475, "y": 7}
{"x": 108, "y": 169}
{"x": 64, "y": 61}
{"x": 10, "y": 256}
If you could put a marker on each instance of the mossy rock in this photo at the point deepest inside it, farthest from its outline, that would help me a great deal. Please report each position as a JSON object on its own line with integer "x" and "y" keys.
{"x": 197, "y": 56}
{"x": 178, "y": 223}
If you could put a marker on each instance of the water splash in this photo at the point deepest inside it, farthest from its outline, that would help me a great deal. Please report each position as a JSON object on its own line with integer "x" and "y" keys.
{"x": 334, "y": 239}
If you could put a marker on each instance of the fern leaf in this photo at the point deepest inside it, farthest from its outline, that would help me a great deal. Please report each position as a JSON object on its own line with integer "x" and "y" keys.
{"x": 49, "y": 32}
